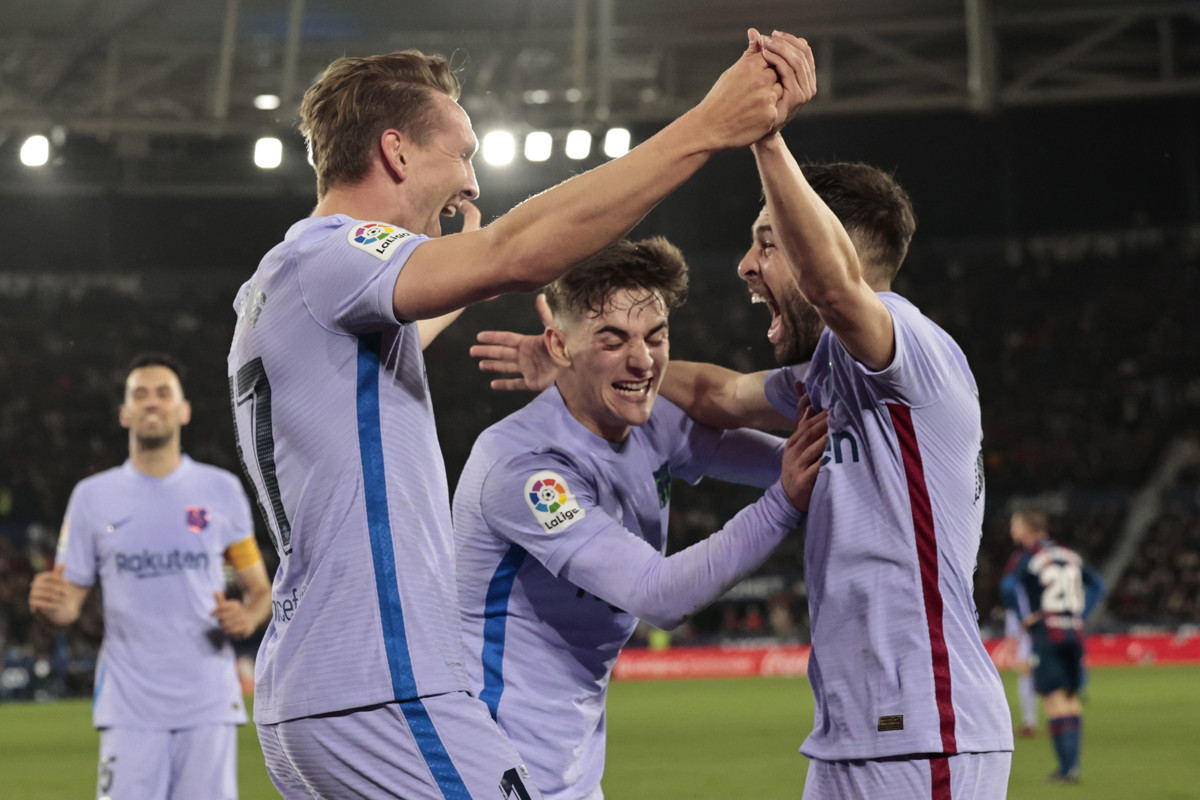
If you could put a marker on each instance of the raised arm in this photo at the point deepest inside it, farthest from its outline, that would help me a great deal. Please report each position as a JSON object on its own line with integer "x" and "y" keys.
{"x": 820, "y": 252}
{"x": 539, "y": 239}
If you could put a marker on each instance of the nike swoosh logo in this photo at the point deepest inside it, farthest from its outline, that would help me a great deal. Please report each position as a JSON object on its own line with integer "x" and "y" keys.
{"x": 112, "y": 526}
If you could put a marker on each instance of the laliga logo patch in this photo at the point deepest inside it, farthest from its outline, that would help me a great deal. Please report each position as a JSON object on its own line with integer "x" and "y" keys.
{"x": 551, "y": 502}
{"x": 376, "y": 238}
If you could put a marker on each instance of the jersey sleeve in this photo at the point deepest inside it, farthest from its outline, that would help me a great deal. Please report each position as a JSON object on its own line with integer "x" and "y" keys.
{"x": 923, "y": 362}
{"x": 543, "y": 503}
{"x": 77, "y": 541}
{"x": 239, "y": 521}
{"x": 624, "y": 570}
{"x": 1094, "y": 589}
{"x": 742, "y": 456}
{"x": 243, "y": 554}
{"x": 779, "y": 386}
{"x": 348, "y": 276}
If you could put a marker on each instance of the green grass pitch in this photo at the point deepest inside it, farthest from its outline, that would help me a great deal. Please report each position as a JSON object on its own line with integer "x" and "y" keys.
{"x": 722, "y": 739}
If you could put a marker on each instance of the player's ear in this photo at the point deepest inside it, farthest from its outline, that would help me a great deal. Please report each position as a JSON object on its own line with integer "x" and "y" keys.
{"x": 123, "y": 416}
{"x": 556, "y": 345}
{"x": 394, "y": 149}
{"x": 185, "y": 412}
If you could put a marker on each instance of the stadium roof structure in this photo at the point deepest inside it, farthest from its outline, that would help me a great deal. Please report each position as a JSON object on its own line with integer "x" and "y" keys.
{"x": 130, "y": 68}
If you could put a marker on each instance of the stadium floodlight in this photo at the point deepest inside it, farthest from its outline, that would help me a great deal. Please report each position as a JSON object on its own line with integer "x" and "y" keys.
{"x": 499, "y": 148}
{"x": 266, "y": 102}
{"x": 268, "y": 153}
{"x": 538, "y": 146}
{"x": 616, "y": 142}
{"x": 36, "y": 151}
{"x": 579, "y": 144}
{"x": 537, "y": 97}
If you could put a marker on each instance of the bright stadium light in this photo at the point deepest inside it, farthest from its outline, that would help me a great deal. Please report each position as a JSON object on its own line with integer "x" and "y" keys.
{"x": 579, "y": 144}
{"x": 36, "y": 151}
{"x": 268, "y": 153}
{"x": 266, "y": 102}
{"x": 538, "y": 146}
{"x": 616, "y": 142}
{"x": 499, "y": 148}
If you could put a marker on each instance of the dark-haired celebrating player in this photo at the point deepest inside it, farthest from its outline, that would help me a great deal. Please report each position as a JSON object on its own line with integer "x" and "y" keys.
{"x": 560, "y": 517}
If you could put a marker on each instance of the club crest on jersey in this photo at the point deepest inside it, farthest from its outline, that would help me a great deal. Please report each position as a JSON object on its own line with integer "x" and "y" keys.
{"x": 197, "y": 518}
{"x": 377, "y": 238}
{"x": 551, "y": 501}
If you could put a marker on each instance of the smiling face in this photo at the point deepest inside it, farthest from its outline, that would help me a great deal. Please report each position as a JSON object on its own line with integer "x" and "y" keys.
{"x": 154, "y": 410}
{"x": 441, "y": 174}
{"x": 612, "y": 363}
{"x": 795, "y": 324}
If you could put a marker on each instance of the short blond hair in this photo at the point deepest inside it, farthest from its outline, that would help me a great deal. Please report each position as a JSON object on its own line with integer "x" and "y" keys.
{"x": 355, "y": 100}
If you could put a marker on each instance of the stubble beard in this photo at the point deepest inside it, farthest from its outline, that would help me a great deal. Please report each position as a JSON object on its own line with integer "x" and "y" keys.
{"x": 802, "y": 327}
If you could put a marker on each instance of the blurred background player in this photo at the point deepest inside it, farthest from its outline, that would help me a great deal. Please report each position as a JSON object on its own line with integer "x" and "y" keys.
{"x": 1018, "y": 648}
{"x": 156, "y": 532}
{"x": 1053, "y": 590}
{"x": 335, "y": 423}
{"x": 561, "y": 514}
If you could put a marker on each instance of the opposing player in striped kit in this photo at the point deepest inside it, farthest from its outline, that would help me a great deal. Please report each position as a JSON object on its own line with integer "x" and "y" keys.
{"x": 1052, "y": 590}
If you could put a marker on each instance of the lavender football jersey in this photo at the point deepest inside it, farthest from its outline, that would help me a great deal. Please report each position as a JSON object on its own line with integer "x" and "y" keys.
{"x": 546, "y": 508}
{"x": 336, "y": 431}
{"x": 895, "y": 519}
{"x": 157, "y": 547}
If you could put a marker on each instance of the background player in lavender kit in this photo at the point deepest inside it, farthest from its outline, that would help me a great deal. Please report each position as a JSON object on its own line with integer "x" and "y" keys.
{"x": 1019, "y": 646}
{"x": 156, "y": 533}
{"x": 1053, "y": 590}
{"x": 360, "y": 686}
{"x": 562, "y": 509}
{"x": 908, "y": 703}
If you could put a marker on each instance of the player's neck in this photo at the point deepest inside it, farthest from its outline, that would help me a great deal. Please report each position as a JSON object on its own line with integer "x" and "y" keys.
{"x": 578, "y": 409}
{"x": 360, "y": 201}
{"x": 157, "y": 462}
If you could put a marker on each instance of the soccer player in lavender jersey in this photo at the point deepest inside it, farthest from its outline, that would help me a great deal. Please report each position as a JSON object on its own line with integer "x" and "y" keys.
{"x": 908, "y": 703}
{"x": 1053, "y": 590}
{"x": 156, "y": 532}
{"x": 561, "y": 514}
{"x": 360, "y": 685}
{"x": 1019, "y": 647}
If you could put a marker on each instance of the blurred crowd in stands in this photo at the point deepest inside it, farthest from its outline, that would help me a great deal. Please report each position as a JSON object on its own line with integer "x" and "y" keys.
{"x": 1085, "y": 349}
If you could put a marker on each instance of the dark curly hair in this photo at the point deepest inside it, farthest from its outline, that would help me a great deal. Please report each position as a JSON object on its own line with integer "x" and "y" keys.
{"x": 652, "y": 264}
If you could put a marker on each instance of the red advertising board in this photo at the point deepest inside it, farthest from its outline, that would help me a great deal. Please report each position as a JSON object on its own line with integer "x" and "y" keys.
{"x": 675, "y": 663}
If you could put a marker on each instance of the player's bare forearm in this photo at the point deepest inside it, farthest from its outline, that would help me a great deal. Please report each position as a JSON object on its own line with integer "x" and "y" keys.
{"x": 256, "y": 594}
{"x": 539, "y": 239}
{"x": 428, "y": 329}
{"x": 721, "y": 397}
